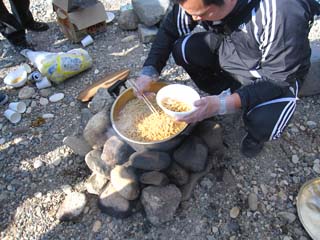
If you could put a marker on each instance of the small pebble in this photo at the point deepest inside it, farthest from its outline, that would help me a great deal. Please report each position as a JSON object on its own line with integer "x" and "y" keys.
{"x": 295, "y": 159}
{"x": 234, "y": 212}
{"x": 96, "y": 226}
{"x": 56, "y": 97}
{"x": 47, "y": 115}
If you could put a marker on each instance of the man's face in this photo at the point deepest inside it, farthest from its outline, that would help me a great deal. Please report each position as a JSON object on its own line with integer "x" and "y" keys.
{"x": 212, "y": 12}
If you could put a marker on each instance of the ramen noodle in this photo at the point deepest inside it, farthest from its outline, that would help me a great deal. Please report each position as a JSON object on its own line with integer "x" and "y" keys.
{"x": 136, "y": 122}
{"x": 175, "y": 105}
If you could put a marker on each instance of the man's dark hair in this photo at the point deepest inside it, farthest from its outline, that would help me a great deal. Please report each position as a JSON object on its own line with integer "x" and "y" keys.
{"x": 206, "y": 2}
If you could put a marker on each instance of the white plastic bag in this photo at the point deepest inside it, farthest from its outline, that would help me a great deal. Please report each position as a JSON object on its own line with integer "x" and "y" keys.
{"x": 59, "y": 66}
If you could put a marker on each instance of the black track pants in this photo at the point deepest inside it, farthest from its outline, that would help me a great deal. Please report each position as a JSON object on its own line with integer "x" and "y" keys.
{"x": 12, "y": 26}
{"x": 197, "y": 54}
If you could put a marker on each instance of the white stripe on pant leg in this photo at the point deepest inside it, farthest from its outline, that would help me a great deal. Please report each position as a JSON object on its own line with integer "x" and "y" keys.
{"x": 279, "y": 120}
{"x": 183, "y": 48}
{"x": 288, "y": 118}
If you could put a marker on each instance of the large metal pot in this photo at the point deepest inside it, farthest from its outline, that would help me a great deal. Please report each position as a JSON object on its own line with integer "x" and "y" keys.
{"x": 163, "y": 145}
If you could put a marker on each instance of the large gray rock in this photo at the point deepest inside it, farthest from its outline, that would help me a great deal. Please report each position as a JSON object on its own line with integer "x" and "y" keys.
{"x": 116, "y": 151}
{"x": 150, "y": 160}
{"x": 154, "y": 178}
{"x": 78, "y": 145}
{"x": 96, "y": 183}
{"x": 128, "y": 20}
{"x": 311, "y": 84}
{"x": 192, "y": 154}
{"x": 95, "y": 132}
{"x": 112, "y": 203}
{"x": 177, "y": 174}
{"x": 150, "y": 12}
{"x": 125, "y": 181}
{"x": 160, "y": 203}
{"x": 96, "y": 164}
{"x": 71, "y": 207}
{"x": 147, "y": 34}
{"x": 101, "y": 101}
{"x": 211, "y": 133}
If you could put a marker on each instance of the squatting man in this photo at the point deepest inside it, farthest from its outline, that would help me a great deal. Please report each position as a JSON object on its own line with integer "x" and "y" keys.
{"x": 258, "y": 49}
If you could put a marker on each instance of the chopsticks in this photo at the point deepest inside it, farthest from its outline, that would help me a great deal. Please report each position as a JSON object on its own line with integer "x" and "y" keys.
{"x": 144, "y": 98}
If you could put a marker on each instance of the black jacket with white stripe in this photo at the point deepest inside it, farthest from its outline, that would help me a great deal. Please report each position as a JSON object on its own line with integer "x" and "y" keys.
{"x": 266, "y": 52}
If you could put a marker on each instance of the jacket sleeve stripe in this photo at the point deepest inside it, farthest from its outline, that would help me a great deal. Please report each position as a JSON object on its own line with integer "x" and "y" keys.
{"x": 178, "y": 22}
{"x": 255, "y": 26}
{"x": 273, "y": 29}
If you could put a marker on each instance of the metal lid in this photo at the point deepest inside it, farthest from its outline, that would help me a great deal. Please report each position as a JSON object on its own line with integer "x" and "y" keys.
{"x": 308, "y": 206}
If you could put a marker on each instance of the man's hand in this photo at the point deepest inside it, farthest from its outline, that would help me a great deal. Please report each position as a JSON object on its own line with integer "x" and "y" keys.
{"x": 206, "y": 107}
{"x": 142, "y": 84}
{"x": 211, "y": 106}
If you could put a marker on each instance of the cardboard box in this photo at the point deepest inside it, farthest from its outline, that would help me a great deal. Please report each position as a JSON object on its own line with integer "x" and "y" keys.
{"x": 79, "y": 23}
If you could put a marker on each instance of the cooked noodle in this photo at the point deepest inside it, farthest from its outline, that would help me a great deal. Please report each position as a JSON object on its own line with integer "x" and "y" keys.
{"x": 137, "y": 122}
{"x": 175, "y": 105}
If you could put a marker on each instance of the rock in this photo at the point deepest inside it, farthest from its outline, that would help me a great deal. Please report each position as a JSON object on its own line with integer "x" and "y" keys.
{"x": 56, "y": 97}
{"x": 116, "y": 151}
{"x": 72, "y": 206}
{"x": 316, "y": 168}
{"x": 78, "y": 145}
{"x": 95, "y": 132}
{"x": 96, "y": 226}
{"x": 311, "y": 124}
{"x": 102, "y": 101}
{"x": 112, "y": 203}
{"x": 96, "y": 183}
{"x": 150, "y": 12}
{"x": 177, "y": 174}
{"x": 86, "y": 115}
{"x": 214, "y": 229}
{"x": 211, "y": 133}
{"x": 160, "y": 203}
{"x": 47, "y": 115}
{"x": 124, "y": 180}
{"x": 287, "y": 217}
{"x": 44, "y": 101}
{"x": 128, "y": 20}
{"x": 45, "y": 92}
{"x": 253, "y": 202}
{"x": 150, "y": 160}
{"x": 96, "y": 164}
{"x": 192, "y": 154}
{"x": 295, "y": 159}
{"x": 206, "y": 183}
{"x": 147, "y": 34}
{"x": 154, "y": 178}
{"x": 234, "y": 212}
{"x": 26, "y": 92}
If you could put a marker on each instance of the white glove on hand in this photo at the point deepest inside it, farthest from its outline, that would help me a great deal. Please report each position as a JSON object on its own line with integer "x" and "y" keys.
{"x": 206, "y": 107}
{"x": 211, "y": 106}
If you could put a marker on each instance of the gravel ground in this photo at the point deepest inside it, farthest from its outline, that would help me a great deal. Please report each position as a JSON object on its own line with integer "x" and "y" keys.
{"x": 37, "y": 170}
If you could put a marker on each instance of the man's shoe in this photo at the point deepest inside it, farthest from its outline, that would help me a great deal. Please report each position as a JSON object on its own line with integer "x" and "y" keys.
{"x": 3, "y": 98}
{"x": 37, "y": 26}
{"x": 250, "y": 147}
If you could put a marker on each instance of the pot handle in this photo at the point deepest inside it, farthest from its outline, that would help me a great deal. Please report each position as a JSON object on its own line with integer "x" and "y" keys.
{"x": 114, "y": 89}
